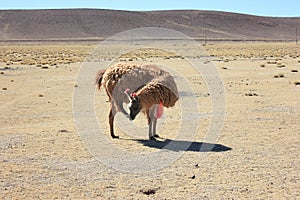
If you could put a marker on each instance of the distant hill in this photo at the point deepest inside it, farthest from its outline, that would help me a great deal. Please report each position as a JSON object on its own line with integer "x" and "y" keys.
{"x": 96, "y": 23}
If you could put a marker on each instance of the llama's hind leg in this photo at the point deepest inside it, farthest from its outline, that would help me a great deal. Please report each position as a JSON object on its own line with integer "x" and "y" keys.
{"x": 150, "y": 125}
{"x": 151, "y": 135}
{"x": 154, "y": 122}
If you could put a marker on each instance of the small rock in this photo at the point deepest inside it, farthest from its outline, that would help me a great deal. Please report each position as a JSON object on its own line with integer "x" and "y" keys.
{"x": 4, "y": 88}
{"x": 40, "y": 95}
{"x": 193, "y": 177}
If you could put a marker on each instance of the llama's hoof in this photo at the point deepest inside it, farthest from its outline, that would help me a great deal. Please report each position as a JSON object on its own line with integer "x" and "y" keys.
{"x": 115, "y": 136}
{"x": 156, "y": 136}
{"x": 152, "y": 138}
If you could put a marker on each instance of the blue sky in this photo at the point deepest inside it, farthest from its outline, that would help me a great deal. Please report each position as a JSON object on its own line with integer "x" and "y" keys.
{"x": 289, "y": 8}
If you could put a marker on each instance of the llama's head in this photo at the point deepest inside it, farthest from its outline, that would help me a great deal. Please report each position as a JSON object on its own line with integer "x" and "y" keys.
{"x": 134, "y": 104}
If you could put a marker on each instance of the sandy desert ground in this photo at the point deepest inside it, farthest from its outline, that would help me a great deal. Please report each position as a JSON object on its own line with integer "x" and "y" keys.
{"x": 256, "y": 156}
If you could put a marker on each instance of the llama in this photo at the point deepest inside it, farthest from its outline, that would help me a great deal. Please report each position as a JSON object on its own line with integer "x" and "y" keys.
{"x": 152, "y": 89}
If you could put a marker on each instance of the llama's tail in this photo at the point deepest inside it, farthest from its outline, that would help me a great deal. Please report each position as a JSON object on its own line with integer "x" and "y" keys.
{"x": 99, "y": 77}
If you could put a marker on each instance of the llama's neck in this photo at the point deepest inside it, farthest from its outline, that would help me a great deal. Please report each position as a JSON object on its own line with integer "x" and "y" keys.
{"x": 148, "y": 97}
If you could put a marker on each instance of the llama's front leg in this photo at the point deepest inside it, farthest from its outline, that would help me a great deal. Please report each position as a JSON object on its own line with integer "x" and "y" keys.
{"x": 111, "y": 117}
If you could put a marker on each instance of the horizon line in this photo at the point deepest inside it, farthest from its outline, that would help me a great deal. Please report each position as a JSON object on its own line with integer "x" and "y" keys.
{"x": 158, "y": 10}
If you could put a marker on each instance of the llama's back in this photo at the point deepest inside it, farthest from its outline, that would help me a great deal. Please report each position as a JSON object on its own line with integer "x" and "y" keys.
{"x": 119, "y": 77}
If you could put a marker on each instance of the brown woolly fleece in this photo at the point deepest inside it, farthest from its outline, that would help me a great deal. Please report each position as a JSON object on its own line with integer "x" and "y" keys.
{"x": 151, "y": 84}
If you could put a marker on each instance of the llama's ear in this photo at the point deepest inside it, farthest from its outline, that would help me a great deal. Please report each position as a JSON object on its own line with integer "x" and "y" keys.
{"x": 128, "y": 95}
{"x": 134, "y": 96}
{"x": 127, "y": 91}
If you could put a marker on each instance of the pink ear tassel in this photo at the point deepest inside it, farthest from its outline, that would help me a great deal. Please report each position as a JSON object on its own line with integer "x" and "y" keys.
{"x": 133, "y": 94}
{"x": 127, "y": 91}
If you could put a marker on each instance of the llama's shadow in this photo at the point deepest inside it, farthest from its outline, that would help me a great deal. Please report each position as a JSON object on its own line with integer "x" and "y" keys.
{"x": 180, "y": 145}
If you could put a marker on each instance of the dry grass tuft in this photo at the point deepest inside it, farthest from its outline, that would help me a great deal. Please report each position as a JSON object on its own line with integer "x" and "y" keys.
{"x": 280, "y": 65}
{"x": 279, "y": 75}
{"x": 149, "y": 191}
{"x": 251, "y": 94}
{"x": 43, "y": 55}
